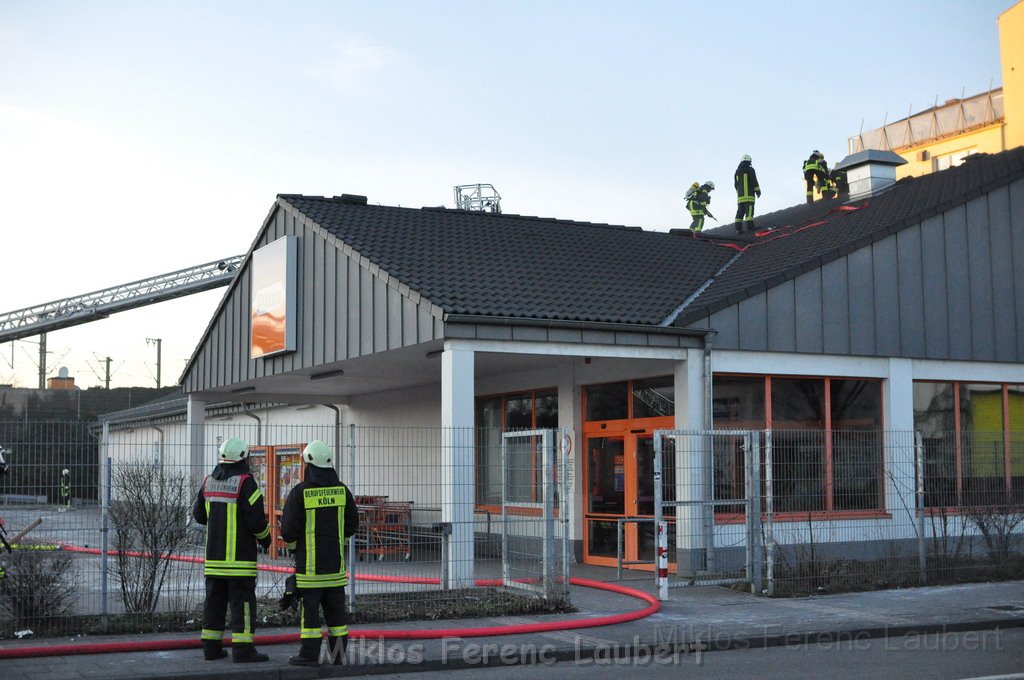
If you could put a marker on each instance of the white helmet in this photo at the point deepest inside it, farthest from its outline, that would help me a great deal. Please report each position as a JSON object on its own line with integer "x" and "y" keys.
{"x": 709, "y": 184}
{"x": 233, "y": 450}
{"x": 317, "y": 453}
{"x": 746, "y": 157}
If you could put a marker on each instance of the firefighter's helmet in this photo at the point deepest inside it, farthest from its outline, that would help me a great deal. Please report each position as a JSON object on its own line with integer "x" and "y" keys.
{"x": 746, "y": 158}
{"x": 319, "y": 454}
{"x": 233, "y": 450}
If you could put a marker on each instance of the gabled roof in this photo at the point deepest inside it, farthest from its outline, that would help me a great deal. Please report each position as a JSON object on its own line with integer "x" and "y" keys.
{"x": 808, "y": 236}
{"x": 505, "y": 265}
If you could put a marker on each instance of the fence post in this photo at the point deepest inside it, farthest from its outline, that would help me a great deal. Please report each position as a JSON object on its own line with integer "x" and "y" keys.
{"x": 105, "y": 524}
{"x": 660, "y": 527}
{"x": 754, "y": 554}
{"x": 548, "y": 477}
{"x": 563, "y": 507}
{"x": 922, "y": 557}
{"x": 769, "y": 513}
{"x": 352, "y": 554}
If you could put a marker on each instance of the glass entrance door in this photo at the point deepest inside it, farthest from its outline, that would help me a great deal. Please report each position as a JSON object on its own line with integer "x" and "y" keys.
{"x": 620, "y": 483}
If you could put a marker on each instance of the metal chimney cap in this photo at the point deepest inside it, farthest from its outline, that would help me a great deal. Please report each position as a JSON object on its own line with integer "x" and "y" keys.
{"x": 874, "y": 156}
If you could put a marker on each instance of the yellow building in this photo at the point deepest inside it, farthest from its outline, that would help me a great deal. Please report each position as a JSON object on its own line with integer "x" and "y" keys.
{"x": 945, "y": 134}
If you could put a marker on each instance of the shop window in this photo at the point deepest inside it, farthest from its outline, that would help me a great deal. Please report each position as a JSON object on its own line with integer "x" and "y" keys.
{"x": 609, "y": 401}
{"x": 798, "y": 444}
{"x": 506, "y": 413}
{"x": 653, "y": 398}
{"x": 973, "y": 436}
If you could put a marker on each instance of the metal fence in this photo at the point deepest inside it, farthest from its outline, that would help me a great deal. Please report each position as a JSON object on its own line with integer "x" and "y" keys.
{"x": 117, "y": 548}
{"x": 792, "y": 512}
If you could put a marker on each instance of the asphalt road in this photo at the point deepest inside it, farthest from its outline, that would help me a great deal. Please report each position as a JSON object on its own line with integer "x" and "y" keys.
{"x": 970, "y": 655}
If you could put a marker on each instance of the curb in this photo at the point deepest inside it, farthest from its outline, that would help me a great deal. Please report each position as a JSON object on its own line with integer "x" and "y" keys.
{"x": 621, "y": 654}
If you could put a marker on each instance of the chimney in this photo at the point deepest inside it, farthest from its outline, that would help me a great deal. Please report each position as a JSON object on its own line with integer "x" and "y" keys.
{"x": 870, "y": 171}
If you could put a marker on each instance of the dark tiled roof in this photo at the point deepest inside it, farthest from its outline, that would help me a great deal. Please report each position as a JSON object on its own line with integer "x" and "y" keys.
{"x": 528, "y": 267}
{"x": 794, "y": 247}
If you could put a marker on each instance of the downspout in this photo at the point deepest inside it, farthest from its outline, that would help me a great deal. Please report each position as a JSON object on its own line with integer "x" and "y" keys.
{"x": 708, "y": 379}
{"x": 259, "y": 424}
{"x": 160, "y": 443}
{"x": 337, "y": 435}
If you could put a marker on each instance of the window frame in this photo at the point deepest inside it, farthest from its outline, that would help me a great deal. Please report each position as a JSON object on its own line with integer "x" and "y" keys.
{"x": 828, "y": 486}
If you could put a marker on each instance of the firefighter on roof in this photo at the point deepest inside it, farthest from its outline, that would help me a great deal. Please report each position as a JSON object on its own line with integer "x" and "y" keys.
{"x": 746, "y": 190}
{"x": 319, "y": 517}
{"x": 815, "y": 173}
{"x": 230, "y": 504}
{"x": 698, "y": 203}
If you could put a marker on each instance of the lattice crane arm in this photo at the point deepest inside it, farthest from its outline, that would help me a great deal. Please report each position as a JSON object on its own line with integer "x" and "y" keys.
{"x": 100, "y": 304}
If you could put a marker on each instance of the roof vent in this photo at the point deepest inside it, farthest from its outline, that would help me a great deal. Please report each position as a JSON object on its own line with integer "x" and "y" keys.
{"x": 870, "y": 171}
{"x": 351, "y": 199}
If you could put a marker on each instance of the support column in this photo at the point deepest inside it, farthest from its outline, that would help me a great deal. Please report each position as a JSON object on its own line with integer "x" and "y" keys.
{"x": 692, "y": 464}
{"x": 195, "y": 424}
{"x": 899, "y": 461}
{"x": 457, "y": 461}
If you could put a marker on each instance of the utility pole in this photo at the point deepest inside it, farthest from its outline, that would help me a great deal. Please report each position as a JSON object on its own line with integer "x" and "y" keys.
{"x": 158, "y": 342}
{"x": 42, "y": 361}
{"x": 107, "y": 381}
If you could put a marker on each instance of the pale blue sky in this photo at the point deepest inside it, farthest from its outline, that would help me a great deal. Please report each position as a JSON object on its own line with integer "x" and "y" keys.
{"x": 137, "y": 138}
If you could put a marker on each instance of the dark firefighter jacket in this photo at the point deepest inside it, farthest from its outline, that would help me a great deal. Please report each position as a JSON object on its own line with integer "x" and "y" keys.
{"x": 842, "y": 185}
{"x": 698, "y": 203}
{"x": 319, "y": 515}
{"x": 818, "y": 165}
{"x": 231, "y": 505}
{"x": 746, "y": 183}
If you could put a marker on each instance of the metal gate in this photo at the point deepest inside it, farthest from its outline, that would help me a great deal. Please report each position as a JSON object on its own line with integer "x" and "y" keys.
{"x": 707, "y": 493}
{"x": 534, "y": 514}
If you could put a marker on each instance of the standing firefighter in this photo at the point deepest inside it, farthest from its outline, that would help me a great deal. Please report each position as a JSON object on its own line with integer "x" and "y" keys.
{"x": 319, "y": 516}
{"x": 746, "y": 190}
{"x": 838, "y": 178}
{"x": 698, "y": 203}
{"x": 815, "y": 173}
{"x": 231, "y": 505}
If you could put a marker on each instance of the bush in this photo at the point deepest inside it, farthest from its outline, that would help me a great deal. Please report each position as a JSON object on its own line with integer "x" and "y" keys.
{"x": 41, "y": 585}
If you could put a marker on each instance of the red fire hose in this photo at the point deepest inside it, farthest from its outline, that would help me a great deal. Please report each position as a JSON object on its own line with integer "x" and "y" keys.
{"x": 417, "y": 634}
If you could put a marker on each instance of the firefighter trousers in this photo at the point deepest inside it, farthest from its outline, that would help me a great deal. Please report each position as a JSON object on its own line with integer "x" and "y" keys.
{"x": 239, "y": 594}
{"x": 332, "y": 602}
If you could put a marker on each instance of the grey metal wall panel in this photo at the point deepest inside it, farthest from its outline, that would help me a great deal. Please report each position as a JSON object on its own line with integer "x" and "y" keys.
{"x": 394, "y": 306}
{"x": 933, "y": 282}
{"x": 781, "y": 320}
{"x": 910, "y": 292}
{"x": 1017, "y": 236}
{"x": 979, "y": 262}
{"x": 835, "y": 302}
{"x": 380, "y": 315}
{"x": 886, "y": 288}
{"x": 958, "y": 283}
{"x": 807, "y": 297}
{"x": 753, "y": 326}
{"x": 861, "y": 299}
{"x": 352, "y": 310}
{"x": 727, "y": 323}
{"x": 330, "y": 306}
{"x": 365, "y": 312}
{"x": 1004, "y": 314}
{"x": 344, "y": 309}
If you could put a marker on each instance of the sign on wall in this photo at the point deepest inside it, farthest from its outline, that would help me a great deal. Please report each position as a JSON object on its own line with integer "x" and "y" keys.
{"x": 273, "y": 297}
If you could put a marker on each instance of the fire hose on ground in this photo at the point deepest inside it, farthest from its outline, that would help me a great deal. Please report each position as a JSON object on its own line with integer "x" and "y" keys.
{"x": 375, "y": 634}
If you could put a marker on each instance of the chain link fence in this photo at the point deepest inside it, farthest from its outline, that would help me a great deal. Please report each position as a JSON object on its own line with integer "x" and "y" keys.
{"x": 796, "y": 512}
{"x": 114, "y": 547}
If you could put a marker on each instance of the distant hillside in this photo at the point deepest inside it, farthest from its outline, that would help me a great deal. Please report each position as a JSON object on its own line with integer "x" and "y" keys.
{"x": 20, "y": 403}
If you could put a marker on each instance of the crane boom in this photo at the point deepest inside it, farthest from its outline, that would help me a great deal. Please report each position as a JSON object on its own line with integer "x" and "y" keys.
{"x": 100, "y": 304}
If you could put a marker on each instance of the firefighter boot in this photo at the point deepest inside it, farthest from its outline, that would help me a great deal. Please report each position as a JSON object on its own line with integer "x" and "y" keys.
{"x": 336, "y": 646}
{"x": 213, "y": 650}
{"x": 247, "y": 654}
{"x": 309, "y": 653}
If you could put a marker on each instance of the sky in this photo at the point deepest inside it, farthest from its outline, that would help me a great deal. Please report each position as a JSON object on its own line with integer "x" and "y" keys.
{"x": 140, "y": 138}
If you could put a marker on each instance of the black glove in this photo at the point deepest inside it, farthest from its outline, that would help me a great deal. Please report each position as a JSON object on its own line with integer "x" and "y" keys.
{"x": 289, "y": 598}
{"x": 757, "y": 192}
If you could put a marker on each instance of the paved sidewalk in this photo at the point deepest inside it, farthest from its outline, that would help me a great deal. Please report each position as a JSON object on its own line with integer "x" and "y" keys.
{"x": 695, "y": 618}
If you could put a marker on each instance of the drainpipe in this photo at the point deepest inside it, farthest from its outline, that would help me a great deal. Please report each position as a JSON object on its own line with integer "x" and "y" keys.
{"x": 337, "y": 435}
{"x": 708, "y": 408}
{"x": 259, "y": 424}
{"x": 161, "y": 441}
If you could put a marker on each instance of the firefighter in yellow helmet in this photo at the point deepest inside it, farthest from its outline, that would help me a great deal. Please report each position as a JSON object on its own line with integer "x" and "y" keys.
{"x": 319, "y": 516}
{"x": 230, "y": 504}
{"x": 697, "y": 204}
